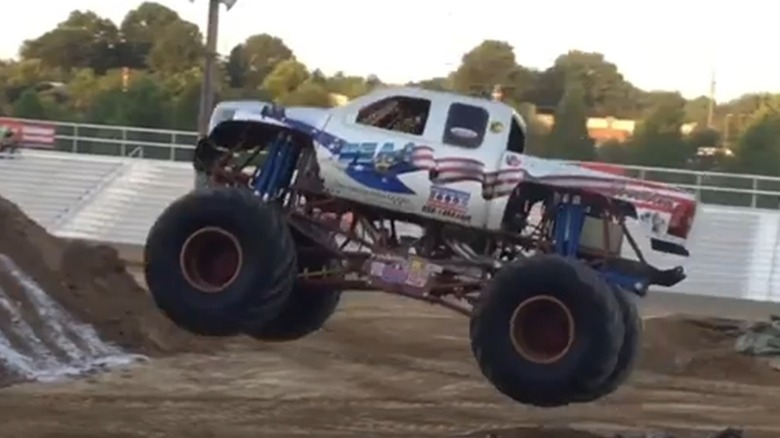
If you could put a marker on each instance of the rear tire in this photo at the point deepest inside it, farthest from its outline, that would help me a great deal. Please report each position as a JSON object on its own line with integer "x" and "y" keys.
{"x": 578, "y": 351}
{"x": 308, "y": 307}
{"x": 629, "y": 351}
{"x": 218, "y": 257}
{"x": 305, "y": 312}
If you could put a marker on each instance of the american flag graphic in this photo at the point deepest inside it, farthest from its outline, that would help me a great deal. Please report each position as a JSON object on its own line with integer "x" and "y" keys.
{"x": 452, "y": 170}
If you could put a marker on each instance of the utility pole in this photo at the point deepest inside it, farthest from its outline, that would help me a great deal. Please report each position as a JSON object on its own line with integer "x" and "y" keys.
{"x": 207, "y": 88}
{"x": 210, "y": 69}
{"x": 711, "y": 103}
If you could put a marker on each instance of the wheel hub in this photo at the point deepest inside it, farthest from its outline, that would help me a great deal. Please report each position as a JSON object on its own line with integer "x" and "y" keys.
{"x": 542, "y": 329}
{"x": 211, "y": 259}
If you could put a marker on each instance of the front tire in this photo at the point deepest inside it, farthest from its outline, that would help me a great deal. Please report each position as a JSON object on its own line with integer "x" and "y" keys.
{"x": 545, "y": 328}
{"x": 629, "y": 351}
{"x": 218, "y": 257}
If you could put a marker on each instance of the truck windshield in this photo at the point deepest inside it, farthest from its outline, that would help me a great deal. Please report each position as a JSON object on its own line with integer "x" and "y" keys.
{"x": 516, "y": 141}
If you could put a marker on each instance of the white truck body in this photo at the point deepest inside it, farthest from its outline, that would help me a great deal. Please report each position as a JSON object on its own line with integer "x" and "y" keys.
{"x": 460, "y": 165}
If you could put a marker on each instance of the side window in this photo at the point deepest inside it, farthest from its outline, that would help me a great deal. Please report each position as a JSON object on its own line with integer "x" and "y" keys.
{"x": 400, "y": 114}
{"x": 516, "y": 138}
{"x": 466, "y": 125}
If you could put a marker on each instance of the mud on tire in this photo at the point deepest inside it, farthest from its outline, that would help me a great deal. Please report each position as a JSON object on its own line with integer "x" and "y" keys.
{"x": 218, "y": 257}
{"x": 546, "y": 329}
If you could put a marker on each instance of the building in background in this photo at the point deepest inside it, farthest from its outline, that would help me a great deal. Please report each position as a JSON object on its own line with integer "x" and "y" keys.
{"x": 602, "y": 129}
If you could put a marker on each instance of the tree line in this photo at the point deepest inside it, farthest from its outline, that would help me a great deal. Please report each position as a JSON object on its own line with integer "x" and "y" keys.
{"x": 146, "y": 71}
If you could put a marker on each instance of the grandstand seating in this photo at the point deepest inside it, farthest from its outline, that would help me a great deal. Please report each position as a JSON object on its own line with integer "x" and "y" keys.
{"x": 93, "y": 197}
{"x": 61, "y": 184}
{"x": 125, "y": 209}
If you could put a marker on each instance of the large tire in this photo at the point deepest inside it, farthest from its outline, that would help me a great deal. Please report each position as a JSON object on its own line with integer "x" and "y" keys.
{"x": 629, "y": 351}
{"x": 526, "y": 295}
{"x": 303, "y": 313}
{"x": 308, "y": 306}
{"x": 217, "y": 258}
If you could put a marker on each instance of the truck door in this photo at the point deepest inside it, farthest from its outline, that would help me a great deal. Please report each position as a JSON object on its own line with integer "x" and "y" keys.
{"x": 472, "y": 138}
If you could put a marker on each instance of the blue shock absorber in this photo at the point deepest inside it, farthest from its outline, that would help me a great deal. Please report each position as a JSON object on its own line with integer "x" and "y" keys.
{"x": 288, "y": 163}
{"x": 274, "y": 176}
{"x": 567, "y": 230}
{"x": 262, "y": 176}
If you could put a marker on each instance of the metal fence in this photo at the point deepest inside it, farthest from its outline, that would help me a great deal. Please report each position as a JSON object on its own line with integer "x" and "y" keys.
{"x": 713, "y": 188}
{"x": 125, "y": 141}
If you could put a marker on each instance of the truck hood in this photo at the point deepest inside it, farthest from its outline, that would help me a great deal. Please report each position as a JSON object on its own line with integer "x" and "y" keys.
{"x": 665, "y": 212}
{"x": 266, "y": 112}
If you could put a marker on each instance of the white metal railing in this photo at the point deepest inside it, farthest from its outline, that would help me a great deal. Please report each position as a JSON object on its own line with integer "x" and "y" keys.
{"x": 713, "y": 187}
{"x": 121, "y": 140}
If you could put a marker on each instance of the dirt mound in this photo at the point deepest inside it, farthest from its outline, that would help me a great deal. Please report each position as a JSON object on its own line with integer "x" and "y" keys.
{"x": 45, "y": 281}
{"x": 701, "y": 348}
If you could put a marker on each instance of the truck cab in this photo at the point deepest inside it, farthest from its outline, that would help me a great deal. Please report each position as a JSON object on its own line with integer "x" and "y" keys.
{"x": 423, "y": 152}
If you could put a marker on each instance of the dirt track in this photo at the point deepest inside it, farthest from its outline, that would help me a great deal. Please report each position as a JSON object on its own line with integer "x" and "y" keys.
{"x": 384, "y": 366}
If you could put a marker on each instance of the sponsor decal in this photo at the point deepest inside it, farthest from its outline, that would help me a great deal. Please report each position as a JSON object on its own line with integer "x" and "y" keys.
{"x": 644, "y": 196}
{"x": 654, "y": 221}
{"x": 513, "y": 161}
{"x": 414, "y": 272}
{"x": 496, "y": 127}
{"x": 449, "y": 203}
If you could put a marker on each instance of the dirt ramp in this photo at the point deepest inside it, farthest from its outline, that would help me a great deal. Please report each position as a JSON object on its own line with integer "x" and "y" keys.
{"x": 701, "y": 348}
{"x": 98, "y": 288}
{"x": 67, "y": 306}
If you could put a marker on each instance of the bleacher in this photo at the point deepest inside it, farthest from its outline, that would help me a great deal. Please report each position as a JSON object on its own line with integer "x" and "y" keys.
{"x": 61, "y": 183}
{"x": 103, "y": 198}
{"x": 124, "y": 211}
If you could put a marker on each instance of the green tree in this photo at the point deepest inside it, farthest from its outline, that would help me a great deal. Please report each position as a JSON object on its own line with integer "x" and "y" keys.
{"x": 605, "y": 90}
{"x": 83, "y": 40}
{"x": 435, "y": 84}
{"x": 186, "y": 106}
{"x": 144, "y": 104}
{"x": 307, "y": 94}
{"x": 488, "y": 64}
{"x": 658, "y": 140}
{"x": 758, "y": 150}
{"x": 29, "y": 106}
{"x": 285, "y": 78}
{"x": 614, "y": 151}
{"x": 704, "y": 138}
{"x": 697, "y": 110}
{"x": 141, "y": 28}
{"x": 536, "y": 132}
{"x": 178, "y": 48}
{"x": 350, "y": 86}
{"x": 250, "y": 62}
{"x": 569, "y": 138}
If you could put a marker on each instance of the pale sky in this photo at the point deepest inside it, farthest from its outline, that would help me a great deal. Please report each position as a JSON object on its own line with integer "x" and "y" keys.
{"x": 660, "y": 44}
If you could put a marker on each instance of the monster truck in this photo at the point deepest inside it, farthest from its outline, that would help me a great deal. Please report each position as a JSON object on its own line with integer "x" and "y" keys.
{"x": 303, "y": 203}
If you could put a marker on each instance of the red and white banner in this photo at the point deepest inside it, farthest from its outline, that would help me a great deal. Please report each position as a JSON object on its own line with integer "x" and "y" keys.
{"x": 33, "y": 134}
